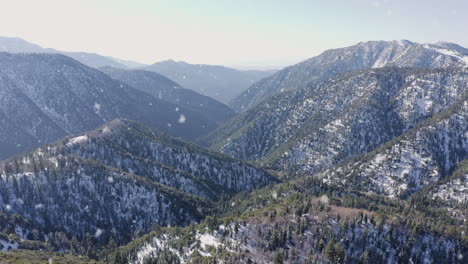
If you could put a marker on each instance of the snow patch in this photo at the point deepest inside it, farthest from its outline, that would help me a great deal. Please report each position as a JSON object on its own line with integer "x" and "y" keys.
{"x": 208, "y": 240}
{"x": 77, "y": 140}
{"x": 98, "y": 233}
{"x": 451, "y": 53}
{"x": 106, "y": 130}
{"x": 8, "y": 245}
{"x": 97, "y": 108}
{"x": 182, "y": 119}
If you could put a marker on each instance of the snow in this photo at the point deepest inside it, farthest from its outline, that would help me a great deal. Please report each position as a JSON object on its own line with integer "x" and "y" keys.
{"x": 8, "y": 244}
{"x": 97, "y": 108}
{"x": 451, "y": 53}
{"x": 324, "y": 199}
{"x": 106, "y": 130}
{"x": 77, "y": 140}
{"x": 145, "y": 251}
{"x": 182, "y": 119}
{"x": 208, "y": 240}
{"x": 455, "y": 190}
{"x": 98, "y": 233}
{"x": 379, "y": 158}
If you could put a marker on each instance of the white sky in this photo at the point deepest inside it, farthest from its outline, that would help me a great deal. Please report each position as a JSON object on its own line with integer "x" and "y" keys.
{"x": 242, "y": 32}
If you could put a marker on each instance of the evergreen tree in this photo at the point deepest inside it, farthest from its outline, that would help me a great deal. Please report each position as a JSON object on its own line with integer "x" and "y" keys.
{"x": 278, "y": 258}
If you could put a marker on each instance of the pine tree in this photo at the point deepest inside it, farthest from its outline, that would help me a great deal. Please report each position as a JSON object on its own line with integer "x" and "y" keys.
{"x": 330, "y": 250}
{"x": 339, "y": 253}
{"x": 364, "y": 258}
{"x": 278, "y": 258}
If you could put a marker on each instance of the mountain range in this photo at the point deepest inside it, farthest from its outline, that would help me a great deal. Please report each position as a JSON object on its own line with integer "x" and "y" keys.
{"x": 218, "y": 82}
{"x": 120, "y": 178}
{"x": 358, "y": 155}
{"x": 17, "y": 45}
{"x": 47, "y": 96}
{"x": 308, "y": 129}
{"x": 364, "y": 55}
{"x": 165, "y": 89}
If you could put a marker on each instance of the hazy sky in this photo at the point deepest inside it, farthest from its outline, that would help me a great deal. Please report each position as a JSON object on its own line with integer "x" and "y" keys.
{"x": 236, "y": 32}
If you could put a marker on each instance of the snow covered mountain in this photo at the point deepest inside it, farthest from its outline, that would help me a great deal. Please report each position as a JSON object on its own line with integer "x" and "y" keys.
{"x": 302, "y": 222}
{"x": 44, "y": 97}
{"x": 17, "y": 45}
{"x": 309, "y": 129}
{"x": 364, "y": 55}
{"x": 120, "y": 178}
{"x": 359, "y": 155}
{"x": 218, "y": 82}
{"x": 424, "y": 155}
{"x": 165, "y": 89}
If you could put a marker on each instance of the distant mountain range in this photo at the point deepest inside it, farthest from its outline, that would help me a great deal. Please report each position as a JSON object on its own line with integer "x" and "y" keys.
{"x": 165, "y": 89}
{"x": 364, "y": 55}
{"x": 44, "y": 97}
{"x": 17, "y": 45}
{"x": 218, "y": 82}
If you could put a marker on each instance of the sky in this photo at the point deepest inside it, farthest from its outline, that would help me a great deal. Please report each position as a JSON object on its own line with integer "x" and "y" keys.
{"x": 241, "y": 33}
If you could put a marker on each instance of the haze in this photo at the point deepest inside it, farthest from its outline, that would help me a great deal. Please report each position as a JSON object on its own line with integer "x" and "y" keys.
{"x": 243, "y": 33}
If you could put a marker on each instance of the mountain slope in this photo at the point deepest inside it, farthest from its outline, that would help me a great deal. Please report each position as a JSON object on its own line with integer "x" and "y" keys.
{"x": 372, "y": 54}
{"x": 426, "y": 154}
{"x": 218, "y": 82}
{"x": 120, "y": 178}
{"x": 305, "y": 130}
{"x": 304, "y": 222}
{"x": 17, "y": 45}
{"x": 47, "y": 96}
{"x": 454, "y": 189}
{"x": 133, "y": 148}
{"x": 165, "y": 89}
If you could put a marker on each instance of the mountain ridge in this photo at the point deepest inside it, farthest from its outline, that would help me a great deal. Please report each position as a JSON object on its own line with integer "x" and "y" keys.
{"x": 110, "y": 182}
{"x": 219, "y": 82}
{"x": 371, "y": 54}
{"x": 163, "y": 88}
{"x": 304, "y": 129}
{"x": 51, "y": 95}
{"x": 18, "y": 45}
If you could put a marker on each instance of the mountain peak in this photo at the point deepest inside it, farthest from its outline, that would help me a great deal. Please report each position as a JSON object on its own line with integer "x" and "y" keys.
{"x": 14, "y": 44}
{"x": 399, "y": 42}
{"x": 364, "y": 55}
{"x": 404, "y": 42}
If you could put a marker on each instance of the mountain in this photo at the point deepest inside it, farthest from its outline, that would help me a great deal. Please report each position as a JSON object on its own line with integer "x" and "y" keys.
{"x": 92, "y": 59}
{"x": 127, "y": 63}
{"x": 364, "y": 55}
{"x": 361, "y": 157}
{"x": 44, "y": 97}
{"x": 218, "y": 82}
{"x": 308, "y": 222}
{"x": 165, "y": 89}
{"x": 117, "y": 179}
{"x": 309, "y": 129}
{"x": 17, "y": 45}
{"x": 426, "y": 154}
